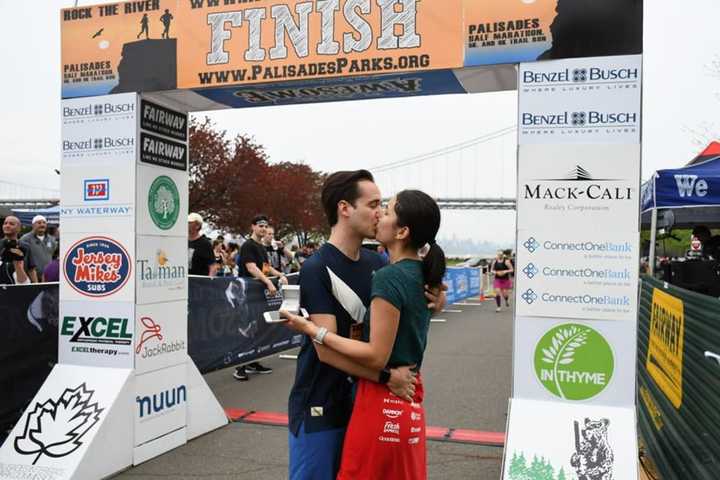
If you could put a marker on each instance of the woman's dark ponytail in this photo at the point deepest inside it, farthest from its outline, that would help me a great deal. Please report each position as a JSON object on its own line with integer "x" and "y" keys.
{"x": 420, "y": 213}
{"x": 434, "y": 265}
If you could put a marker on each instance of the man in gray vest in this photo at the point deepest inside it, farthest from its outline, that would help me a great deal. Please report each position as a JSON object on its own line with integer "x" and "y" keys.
{"x": 41, "y": 247}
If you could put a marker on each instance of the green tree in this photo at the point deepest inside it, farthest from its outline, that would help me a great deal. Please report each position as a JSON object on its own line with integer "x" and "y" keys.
{"x": 535, "y": 471}
{"x": 561, "y": 474}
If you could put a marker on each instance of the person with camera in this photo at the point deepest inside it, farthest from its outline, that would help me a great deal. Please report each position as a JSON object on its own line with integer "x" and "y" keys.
{"x": 41, "y": 247}
{"x": 12, "y": 254}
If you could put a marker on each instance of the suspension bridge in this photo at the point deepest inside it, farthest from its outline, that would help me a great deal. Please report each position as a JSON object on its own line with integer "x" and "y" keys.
{"x": 18, "y": 196}
{"x": 476, "y": 174}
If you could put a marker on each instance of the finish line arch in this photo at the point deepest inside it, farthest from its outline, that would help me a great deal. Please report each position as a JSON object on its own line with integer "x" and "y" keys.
{"x": 132, "y": 71}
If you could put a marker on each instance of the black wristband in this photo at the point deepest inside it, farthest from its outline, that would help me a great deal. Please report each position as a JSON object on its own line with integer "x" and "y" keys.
{"x": 384, "y": 376}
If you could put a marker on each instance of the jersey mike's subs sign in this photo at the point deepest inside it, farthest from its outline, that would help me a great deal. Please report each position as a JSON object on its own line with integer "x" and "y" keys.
{"x": 168, "y": 44}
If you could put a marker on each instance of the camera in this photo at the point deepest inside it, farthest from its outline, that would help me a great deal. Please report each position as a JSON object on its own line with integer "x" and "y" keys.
{"x": 7, "y": 254}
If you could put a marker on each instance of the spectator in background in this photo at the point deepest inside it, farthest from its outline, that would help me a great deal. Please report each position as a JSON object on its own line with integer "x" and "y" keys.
{"x": 51, "y": 272}
{"x": 271, "y": 247}
{"x": 383, "y": 253}
{"x": 232, "y": 256}
{"x": 218, "y": 268}
{"x": 12, "y": 254}
{"x": 254, "y": 262}
{"x": 200, "y": 250}
{"x": 306, "y": 252}
{"x": 41, "y": 247}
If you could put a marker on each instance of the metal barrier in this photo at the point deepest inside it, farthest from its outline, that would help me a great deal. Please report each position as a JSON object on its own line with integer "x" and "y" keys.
{"x": 679, "y": 380}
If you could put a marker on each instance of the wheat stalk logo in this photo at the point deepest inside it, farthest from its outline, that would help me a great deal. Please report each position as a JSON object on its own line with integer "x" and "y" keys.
{"x": 565, "y": 343}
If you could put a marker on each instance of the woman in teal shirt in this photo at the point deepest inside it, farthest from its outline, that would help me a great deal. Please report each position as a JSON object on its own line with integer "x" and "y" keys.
{"x": 386, "y": 435}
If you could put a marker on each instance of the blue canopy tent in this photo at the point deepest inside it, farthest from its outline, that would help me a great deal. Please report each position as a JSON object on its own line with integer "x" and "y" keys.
{"x": 52, "y": 215}
{"x": 695, "y": 185}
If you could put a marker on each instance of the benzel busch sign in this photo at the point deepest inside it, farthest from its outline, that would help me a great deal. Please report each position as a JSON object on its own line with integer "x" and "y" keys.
{"x": 97, "y": 266}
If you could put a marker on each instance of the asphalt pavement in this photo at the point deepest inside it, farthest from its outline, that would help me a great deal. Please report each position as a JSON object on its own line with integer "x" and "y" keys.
{"x": 467, "y": 374}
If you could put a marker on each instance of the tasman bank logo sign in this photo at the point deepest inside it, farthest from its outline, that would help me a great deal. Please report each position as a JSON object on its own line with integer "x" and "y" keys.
{"x": 578, "y": 184}
{"x": 160, "y": 272}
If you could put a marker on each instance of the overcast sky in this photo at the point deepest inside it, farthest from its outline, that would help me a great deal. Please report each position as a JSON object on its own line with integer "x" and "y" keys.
{"x": 681, "y": 93}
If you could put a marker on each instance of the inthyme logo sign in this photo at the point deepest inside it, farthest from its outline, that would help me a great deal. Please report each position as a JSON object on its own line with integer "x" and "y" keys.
{"x": 574, "y": 362}
{"x": 57, "y": 427}
{"x": 164, "y": 202}
{"x": 97, "y": 266}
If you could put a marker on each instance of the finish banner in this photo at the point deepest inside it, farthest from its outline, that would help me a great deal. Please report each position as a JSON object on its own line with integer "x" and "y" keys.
{"x": 156, "y": 45}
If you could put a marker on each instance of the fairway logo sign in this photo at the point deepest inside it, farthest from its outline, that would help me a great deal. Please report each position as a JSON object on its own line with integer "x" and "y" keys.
{"x": 56, "y": 427}
{"x": 162, "y": 152}
{"x": 164, "y": 121}
{"x": 164, "y": 202}
{"x": 97, "y": 266}
{"x": 573, "y": 362}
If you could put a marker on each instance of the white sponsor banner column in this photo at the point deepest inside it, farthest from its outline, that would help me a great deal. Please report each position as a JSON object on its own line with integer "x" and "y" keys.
{"x": 161, "y": 281}
{"x": 97, "y": 217}
{"x": 577, "y": 267}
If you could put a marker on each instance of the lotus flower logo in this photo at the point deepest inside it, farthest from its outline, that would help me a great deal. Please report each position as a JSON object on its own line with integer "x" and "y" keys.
{"x": 56, "y": 427}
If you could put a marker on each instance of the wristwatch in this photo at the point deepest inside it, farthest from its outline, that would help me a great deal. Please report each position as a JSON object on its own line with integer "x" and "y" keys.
{"x": 384, "y": 376}
{"x": 320, "y": 335}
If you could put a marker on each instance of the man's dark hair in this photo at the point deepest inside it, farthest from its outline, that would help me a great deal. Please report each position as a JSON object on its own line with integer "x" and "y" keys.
{"x": 702, "y": 233}
{"x": 342, "y": 186}
{"x": 259, "y": 218}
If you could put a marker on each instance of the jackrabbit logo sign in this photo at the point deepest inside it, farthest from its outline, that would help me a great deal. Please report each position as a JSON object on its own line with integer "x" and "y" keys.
{"x": 55, "y": 428}
{"x": 573, "y": 362}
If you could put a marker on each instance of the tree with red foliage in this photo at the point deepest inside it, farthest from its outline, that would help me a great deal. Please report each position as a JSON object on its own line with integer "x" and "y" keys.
{"x": 231, "y": 181}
